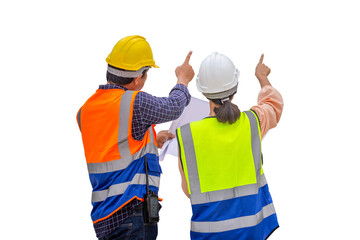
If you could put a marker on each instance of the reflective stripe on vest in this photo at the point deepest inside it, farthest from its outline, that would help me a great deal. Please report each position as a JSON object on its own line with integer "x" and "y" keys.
{"x": 234, "y": 223}
{"x": 197, "y": 197}
{"x": 120, "y": 188}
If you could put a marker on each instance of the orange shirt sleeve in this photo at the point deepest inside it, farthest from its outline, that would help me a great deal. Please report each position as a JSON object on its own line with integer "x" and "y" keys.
{"x": 269, "y": 108}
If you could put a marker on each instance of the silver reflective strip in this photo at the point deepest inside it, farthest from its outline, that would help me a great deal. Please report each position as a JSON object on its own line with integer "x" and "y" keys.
{"x": 152, "y": 137}
{"x": 255, "y": 142}
{"x": 149, "y": 148}
{"x": 105, "y": 167}
{"x": 190, "y": 156}
{"x": 79, "y": 118}
{"x": 118, "y": 189}
{"x": 126, "y": 74}
{"x": 234, "y": 223}
{"x": 121, "y": 164}
{"x": 226, "y": 194}
{"x": 124, "y": 114}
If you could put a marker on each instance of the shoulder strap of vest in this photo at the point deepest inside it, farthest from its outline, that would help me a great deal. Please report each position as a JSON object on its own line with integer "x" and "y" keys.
{"x": 124, "y": 113}
{"x": 257, "y": 117}
{"x": 255, "y": 140}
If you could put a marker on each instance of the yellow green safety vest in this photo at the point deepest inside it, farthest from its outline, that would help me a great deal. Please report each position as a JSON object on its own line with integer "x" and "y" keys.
{"x": 229, "y": 194}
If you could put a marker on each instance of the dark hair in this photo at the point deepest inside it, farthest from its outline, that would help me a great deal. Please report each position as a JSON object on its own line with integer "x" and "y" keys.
{"x": 227, "y": 112}
{"x": 120, "y": 80}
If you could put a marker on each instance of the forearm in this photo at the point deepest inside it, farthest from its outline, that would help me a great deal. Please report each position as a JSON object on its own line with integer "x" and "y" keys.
{"x": 156, "y": 110}
{"x": 269, "y": 108}
{"x": 264, "y": 81}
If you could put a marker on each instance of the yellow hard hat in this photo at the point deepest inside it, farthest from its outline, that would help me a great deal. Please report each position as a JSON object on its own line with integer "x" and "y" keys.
{"x": 131, "y": 53}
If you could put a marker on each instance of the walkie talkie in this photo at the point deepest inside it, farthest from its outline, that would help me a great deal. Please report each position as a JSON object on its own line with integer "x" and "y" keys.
{"x": 151, "y": 202}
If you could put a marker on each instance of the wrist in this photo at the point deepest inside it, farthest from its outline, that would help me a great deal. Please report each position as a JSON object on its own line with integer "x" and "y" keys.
{"x": 264, "y": 81}
{"x": 183, "y": 82}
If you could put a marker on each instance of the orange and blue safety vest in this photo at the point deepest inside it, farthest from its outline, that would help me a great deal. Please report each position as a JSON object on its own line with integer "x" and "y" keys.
{"x": 115, "y": 160}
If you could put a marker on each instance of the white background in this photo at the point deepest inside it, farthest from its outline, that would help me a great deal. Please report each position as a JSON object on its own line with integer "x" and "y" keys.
{"x": 53, "y": 58}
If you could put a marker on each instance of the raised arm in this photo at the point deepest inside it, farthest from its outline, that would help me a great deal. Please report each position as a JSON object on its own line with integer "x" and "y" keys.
{"x": 152, "y": 110}
{"x": 155, "y": 110}
{"x": 270, "y": 102}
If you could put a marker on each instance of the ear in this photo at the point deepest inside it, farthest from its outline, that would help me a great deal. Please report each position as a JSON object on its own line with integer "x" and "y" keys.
{"x": 137, "y": 80}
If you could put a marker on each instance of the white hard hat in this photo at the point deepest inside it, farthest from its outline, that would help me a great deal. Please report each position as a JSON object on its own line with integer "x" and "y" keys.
{"x": 218, "y": 77}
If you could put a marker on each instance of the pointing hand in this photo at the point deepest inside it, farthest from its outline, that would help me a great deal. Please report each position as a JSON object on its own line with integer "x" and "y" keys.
{"x": 185, "y": 72}
{"x": 262, "y": 72}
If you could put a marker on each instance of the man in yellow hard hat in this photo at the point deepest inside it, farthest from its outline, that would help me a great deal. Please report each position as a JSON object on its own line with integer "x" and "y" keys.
{"x": 120, "y": 143}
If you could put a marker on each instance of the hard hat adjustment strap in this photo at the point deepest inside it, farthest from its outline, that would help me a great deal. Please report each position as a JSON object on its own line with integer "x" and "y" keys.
{"x": 221, "y": 95}
{"x": 224, "y": 100}
{"x": 126, "y": 73}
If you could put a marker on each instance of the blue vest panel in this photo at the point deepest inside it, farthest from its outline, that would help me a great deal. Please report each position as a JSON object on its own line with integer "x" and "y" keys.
{"x": 100, "y": 182}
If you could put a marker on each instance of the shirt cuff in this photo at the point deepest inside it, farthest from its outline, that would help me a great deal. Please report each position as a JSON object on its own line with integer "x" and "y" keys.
{"x": 182, "y": 88}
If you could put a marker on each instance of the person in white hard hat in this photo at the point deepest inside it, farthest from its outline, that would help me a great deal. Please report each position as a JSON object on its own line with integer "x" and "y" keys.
{"x": 220, "y": 157}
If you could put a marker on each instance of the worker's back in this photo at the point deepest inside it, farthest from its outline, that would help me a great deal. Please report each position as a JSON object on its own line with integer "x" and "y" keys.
{"x": 115, "y": 160}
{"x": 228, "y": 190}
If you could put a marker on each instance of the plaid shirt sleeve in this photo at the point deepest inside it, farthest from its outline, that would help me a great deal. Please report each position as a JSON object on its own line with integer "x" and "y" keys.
{"x": 149, "y": 110}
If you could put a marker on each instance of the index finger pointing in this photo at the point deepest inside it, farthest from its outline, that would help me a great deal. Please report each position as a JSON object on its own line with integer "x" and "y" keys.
{"x": 187, "y": 59}
{"x": 261, "y": 58}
